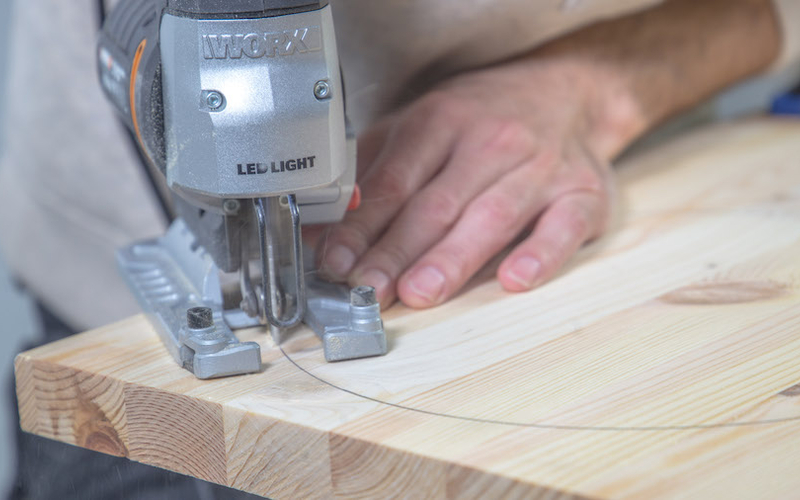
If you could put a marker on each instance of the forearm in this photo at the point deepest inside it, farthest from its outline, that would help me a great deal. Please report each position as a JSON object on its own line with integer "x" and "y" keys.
{"x": 643, "y": 68}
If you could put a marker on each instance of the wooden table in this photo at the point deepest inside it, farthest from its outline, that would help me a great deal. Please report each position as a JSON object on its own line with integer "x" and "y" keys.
{"x": 662, "y": 363}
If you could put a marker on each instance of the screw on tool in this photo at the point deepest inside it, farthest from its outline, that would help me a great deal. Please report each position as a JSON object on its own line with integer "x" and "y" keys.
{"x": 231, "y": 206}
{"x": 363, "y": 296}
{"x": 214, "y": 100}
{"x": 199, "y": 318}
{"x": 322, "y": 90}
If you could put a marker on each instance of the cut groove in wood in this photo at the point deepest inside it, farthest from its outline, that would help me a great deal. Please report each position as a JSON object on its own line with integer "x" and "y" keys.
{"x": 661, "y": 363}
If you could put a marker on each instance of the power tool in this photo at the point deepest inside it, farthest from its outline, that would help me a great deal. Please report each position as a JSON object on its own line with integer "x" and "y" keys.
{"x": 240, "y": 105}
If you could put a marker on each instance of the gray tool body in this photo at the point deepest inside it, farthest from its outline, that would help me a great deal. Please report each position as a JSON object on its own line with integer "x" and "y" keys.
{"x": 240, "y": 105}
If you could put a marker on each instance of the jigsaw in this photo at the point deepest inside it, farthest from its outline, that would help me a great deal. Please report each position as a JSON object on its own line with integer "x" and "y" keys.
{"x": 240, "y": 105}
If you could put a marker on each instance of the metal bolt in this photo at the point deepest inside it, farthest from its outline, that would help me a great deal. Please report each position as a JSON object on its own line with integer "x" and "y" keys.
{"x": 322, "y": 90}
{"x": 214, "y": 100}
{"x": 199, "y": 318}
{"x": 231, "y": 206}
{"x": 362, "y": 296}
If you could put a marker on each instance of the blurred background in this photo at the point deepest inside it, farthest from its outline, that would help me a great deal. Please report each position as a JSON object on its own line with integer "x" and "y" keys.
{"x": 17, "y": 314}
{"x": 20, "y": 323}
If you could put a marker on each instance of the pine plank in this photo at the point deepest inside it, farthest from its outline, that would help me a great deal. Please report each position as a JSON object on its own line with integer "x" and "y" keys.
{"x": 662, "y": 363}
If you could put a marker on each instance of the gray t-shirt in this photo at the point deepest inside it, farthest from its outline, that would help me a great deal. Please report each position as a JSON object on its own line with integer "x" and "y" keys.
{"x": 71, "y": 189}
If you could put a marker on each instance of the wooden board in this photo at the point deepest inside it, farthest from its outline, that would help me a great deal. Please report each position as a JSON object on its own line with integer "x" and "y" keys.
{"x": 662, "y": 363}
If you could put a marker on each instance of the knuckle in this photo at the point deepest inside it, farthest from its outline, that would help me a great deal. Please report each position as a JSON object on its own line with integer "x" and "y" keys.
{"x": 545, "y": 165}
{"x": 392, "y": 185}
{"x": 352, "y": 233}
{"x": 500, "y": 211}
{"x": 549, "y": 158}
{"x": 596, "y": 183}
{"x": 440, "y": 210}
{"x": 454, "y": 260}
{"x": 591, "y": 179}
{"x": 393, "y": 258}
{"x": 510, "y": 135}
{"x": 576, "y": 222}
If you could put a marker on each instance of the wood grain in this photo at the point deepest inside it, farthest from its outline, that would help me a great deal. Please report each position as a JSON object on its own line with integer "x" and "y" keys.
{"x": 662, "y": 363}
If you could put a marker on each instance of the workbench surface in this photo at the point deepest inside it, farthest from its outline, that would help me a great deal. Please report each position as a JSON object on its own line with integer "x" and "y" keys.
{"x": 661, "y": 363}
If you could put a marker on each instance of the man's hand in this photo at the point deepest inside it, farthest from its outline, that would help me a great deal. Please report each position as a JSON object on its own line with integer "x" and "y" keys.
{"x": 454, "y": 178}
{"x": 524, "y": 148}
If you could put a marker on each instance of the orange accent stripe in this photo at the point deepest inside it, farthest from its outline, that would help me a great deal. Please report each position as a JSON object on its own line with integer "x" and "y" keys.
{"x": 137, "y": 58}
{"x": 355, "y": 200}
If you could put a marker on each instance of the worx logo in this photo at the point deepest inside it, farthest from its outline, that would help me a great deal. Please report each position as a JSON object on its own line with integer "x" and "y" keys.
{"x": 256, "y": 45}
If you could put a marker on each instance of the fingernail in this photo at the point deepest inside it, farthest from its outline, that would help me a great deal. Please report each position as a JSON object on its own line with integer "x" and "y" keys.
{"x": 428, "y": 283}
{"x": 525, "y": 271}
{"x": 375, "y": 278}
{"x": 338, "y": 261}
